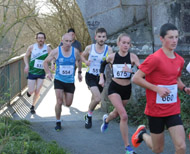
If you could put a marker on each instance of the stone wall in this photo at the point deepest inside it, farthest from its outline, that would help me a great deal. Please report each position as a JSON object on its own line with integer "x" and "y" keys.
{"x": 114, "y": 15}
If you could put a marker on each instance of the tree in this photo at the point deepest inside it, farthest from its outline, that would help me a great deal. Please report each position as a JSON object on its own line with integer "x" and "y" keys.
{"x": 14, "y": 15}
{"x": 59, "y": 17}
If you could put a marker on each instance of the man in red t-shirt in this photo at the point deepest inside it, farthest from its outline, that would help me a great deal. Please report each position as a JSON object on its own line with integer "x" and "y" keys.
{"x": 162, "y": 71}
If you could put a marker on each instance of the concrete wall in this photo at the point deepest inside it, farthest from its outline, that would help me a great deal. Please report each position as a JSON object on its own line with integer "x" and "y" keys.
{"x": 176, "y": 12}
{"x": 113, "y": 15}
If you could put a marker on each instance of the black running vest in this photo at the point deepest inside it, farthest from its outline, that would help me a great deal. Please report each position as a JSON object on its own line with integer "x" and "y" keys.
{"x": 122, "y": 60}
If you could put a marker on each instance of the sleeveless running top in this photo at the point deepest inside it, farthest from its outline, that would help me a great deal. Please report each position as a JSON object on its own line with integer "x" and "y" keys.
{"x": 65, "y": 67}
{"x": 118, "y": 64}
{"x": 96, "y": 60}
{"x": 36, "y": 60}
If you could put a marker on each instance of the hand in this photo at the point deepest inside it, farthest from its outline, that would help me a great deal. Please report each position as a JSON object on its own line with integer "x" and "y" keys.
{"x": 26, "y": 69}
{"x": 187, "y": 90}
{"x": 49, "y": 76}
{"x": 79, "y": 77}
{"x": 126, "y": 69}
{"x": 101, "y": 82}
{"x": 53, "y": 67}
{"x": 87, "y": 63}
{"x": 163, "y": 92}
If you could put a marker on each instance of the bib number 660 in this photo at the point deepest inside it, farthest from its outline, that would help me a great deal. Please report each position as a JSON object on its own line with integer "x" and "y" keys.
{"x": 168, "y": 98}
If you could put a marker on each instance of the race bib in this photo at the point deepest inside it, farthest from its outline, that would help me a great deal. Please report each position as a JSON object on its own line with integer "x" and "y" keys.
{"x": 66, "y": 69}
{"x": 95, "y": 69}
{"x": 118, "y": 71}
{"x": 38, "y": 64}
{"x": 171, "y": 98}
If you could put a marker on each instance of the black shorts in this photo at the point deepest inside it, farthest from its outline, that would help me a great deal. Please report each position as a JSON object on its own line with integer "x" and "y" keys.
{"x": 157, "y": 124}
{"x": 35, "y": 77}
{"x": 123, "y": 91}
{"x": 67, "y": 87}
{"x": 92, "y": 81}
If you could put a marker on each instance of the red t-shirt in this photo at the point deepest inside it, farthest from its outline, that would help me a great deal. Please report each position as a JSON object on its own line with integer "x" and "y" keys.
{"x": 161, "y": 70}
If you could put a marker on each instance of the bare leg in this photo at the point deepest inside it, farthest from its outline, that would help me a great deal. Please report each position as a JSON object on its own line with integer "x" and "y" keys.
{"x": 178, "y": 136}
{"x": 112, "y": 115}
{"x": 96, "y": 98}
{"x": 119, "y": 106}
{"x": 31, "y": 86}
{"x": 59, "y": 102}
{"x": 39, "y": 83}
{"x": 68, "y": 99}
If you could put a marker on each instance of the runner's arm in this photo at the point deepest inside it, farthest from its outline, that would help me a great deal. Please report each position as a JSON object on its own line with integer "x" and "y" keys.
{"x": 49, "y": 58}
{"x": 78, "y": 58}
{"x": 138, "y": 79}
{"x": 26, "y": 58}
{"x": 85, "y": 54}
{"x": 182, "y": 86}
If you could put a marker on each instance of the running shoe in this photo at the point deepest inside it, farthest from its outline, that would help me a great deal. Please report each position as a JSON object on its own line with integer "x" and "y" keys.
{"x": 32, "y": 111}
{"x": 58, "y": 126}
{"x": 137, "y": 136}
{"x": 129, "y": 150}
{"x": 104, "y": 125}
{"x": 28, "y": 94}
{"x": 88, "y": 121}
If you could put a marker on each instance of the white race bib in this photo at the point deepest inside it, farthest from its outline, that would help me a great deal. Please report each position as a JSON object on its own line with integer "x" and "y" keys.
{"x": 38, "y": 64}
{"x": 66, "y": 69}
{"x": 95, "y": 69}
{"x": 171, "y": 98}
{"x": 118, "y": 71}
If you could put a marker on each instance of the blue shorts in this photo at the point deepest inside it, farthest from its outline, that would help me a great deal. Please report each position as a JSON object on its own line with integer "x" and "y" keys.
{"x": 35, "y": 77}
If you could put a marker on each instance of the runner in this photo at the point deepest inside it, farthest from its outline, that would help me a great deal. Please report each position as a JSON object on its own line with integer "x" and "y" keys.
{"x": 119, "y": 90}
{"x": 93, "y": 56}
{"x": 65, "y": 57}
{"x": 162, "y": 71}
{"x": 33, "y": 59}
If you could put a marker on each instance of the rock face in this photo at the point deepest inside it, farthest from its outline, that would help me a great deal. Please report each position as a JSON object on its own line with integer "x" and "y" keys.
{"x": 141, "y": 19}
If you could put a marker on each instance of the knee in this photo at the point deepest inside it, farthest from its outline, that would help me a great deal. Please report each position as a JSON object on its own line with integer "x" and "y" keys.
{"x": 181, "y": 147}
{"x": 68, "y": 105}
{"x": 158, "y": 149}
{"x": 124, "y": 117}
{"x": 59, "y": 102}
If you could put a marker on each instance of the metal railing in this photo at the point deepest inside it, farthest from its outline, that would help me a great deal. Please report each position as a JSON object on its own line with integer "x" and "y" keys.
{"x": 12, "y": 79}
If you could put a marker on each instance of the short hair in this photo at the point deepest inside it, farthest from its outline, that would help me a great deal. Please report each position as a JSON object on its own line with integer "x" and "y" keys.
{"x": 71, "y": 30}
{"x": 101, "y": 30}
{"x": 165, "y": 28}
{"x": 121, "y": 35}
{"x": 42, "y": 34}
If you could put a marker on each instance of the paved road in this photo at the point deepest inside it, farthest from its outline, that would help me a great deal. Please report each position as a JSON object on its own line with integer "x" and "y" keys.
{"x": 74, "y": 137}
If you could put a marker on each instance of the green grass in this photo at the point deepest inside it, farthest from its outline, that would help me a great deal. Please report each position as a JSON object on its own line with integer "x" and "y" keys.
{"x": 16, "y": 137}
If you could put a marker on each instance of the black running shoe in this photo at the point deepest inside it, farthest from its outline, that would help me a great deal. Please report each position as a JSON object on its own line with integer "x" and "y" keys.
{"x": 28, "y": 94}
{"x": 88, "y": 121}
{"x": 32, "y": 110}
{"x": 58, "y": 126}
